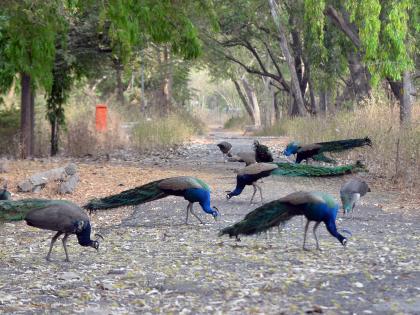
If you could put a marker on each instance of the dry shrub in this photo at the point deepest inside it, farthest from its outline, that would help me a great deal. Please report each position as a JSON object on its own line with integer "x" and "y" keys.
{"x": 160, "y": 133}
{"x": 82, "y": 138}
{"x": 395, "y": 152}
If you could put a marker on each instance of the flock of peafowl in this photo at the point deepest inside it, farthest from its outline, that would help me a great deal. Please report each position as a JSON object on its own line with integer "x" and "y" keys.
{"x": 67, "y": 218}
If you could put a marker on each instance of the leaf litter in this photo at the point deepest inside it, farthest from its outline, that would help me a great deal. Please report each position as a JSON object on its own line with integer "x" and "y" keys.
{"x": 150, "y": 262}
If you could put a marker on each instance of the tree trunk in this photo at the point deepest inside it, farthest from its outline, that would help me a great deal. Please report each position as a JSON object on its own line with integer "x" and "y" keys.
{"x": 249, "y": 99}
{"x": 406, "y": 99}
{"x": 166, "y": 82}
{"x": 118, "y": 66}
{"x": 54, "y": 136}
{"x": 289, "y": 59}
{"x": 323, "y": 101}
{"x": 26, "y": 117}
{"x": 244, "y": 100}
{"x": 277, "y": 113}
{"x": 252, "y": 98}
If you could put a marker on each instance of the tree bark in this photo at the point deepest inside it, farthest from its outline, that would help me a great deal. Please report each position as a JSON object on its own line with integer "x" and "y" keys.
{"x": 244, "y": 100}
{"x": 252, "y": 98}
{"x": 277, "y": 113}
{"x": 289, "y": 59}
{"x": 167, "y": 81}
{"x": 360, "y": 88}
{"x": 26, "y": 117}
{"x": 54, "y": 136}
{"x": 323, "y": 101}
{"x": 406, "y": 99}
{"x": 118, "y": 66}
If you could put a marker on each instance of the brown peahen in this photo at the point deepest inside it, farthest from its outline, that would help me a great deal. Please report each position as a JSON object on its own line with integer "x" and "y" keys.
{"x": 351, "y": 191}
{"x": 61, "y": 216}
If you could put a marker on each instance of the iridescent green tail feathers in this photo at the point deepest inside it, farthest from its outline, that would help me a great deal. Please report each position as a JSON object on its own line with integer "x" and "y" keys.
{"x": 131, "y": 197}
{"x": 261, "y": 219}
{"x": 292, "y": 169}
{"x": 16, "y": 210}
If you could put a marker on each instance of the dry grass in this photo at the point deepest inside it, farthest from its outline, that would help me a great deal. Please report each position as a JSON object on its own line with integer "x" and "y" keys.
{"x": 395, "y": 153}
{"x": 160, "y": 133}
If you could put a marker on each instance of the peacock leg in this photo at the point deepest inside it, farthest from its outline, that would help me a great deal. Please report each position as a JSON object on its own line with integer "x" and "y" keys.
{"x": 52, "y": 244}
{"x": 65, "y": 246}
{"x": 260, "y": 189}
{"x": 193, "y": 213}
{"x": 255, "y": 191}
{"x": 188, "y": 210}
{"x": 316, "y": 237}
{"x": 304, "y": 235}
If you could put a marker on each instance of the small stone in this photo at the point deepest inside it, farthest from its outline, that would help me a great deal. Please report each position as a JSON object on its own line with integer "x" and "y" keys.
{"x": 358, "y": 285}
{"x": 68, "y": 276}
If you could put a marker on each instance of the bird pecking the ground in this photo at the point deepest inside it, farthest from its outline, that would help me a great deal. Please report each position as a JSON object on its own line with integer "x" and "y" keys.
{"x": 350, "y": 193}
{"x": 249, "y": 175}
{"x": 191, "y": 188}
{"x": 316, "y": 150}
{"x": 61, "y": 216}
{"x": 247, "y": 157}
{"x": 225, "y": 147}
{"x": 317, "y": 207}
{"x": 262, "y": 153}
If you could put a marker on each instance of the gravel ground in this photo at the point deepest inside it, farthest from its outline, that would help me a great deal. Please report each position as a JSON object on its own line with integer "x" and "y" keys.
{"x": 151, "y": 262}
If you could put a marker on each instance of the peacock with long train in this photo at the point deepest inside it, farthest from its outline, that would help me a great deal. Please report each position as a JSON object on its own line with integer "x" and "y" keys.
{"x": 317, "y": 207}
{"x": 61, "y": 216}
{"x": 316, "y": 150}
{"x": 191, "y": 188}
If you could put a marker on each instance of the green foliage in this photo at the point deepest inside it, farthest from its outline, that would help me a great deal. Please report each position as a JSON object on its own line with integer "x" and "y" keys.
{"x": 29, "y": 31}
{"x": 314, "y": 29}
{"x": 133, "y": 23}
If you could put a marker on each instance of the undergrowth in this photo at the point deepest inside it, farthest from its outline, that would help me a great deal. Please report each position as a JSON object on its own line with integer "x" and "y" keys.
{"x": 395, "y": 153}
{"x": 237, "y": 122}
{"x": 164, "y": 132}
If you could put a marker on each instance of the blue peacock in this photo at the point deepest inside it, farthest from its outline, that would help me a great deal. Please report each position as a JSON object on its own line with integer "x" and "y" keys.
{"x": 191, "y": 188}
{"x": 316, "y": 150}
{"x": 317, "y": 207}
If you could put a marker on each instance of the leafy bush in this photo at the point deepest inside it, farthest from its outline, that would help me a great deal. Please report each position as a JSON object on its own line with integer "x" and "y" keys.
{"x": 9, "y": 131}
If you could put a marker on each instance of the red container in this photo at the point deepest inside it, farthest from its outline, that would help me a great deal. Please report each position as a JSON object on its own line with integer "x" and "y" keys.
{"x": 101, "y": 113}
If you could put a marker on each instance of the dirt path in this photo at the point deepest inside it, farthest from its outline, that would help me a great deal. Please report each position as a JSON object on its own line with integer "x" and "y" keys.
{"x": 152, "y": 263}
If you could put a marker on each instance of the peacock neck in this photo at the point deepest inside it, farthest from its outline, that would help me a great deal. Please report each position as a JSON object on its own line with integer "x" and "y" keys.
{"x": 83, "y": 237}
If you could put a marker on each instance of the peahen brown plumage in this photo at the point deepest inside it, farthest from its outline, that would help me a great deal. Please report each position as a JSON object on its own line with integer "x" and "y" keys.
{"x": 225, "y": 147}
{"x": 191, "y": 188}
{"x": 61, "y": 216}
{"x": 316, "y": 150}
{"x": 262, "y": 152}
{"x": 315, "y": 206}
{"x": 351, "y": 191}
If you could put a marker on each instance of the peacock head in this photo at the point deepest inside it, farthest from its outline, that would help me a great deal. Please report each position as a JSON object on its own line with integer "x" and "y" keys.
{"x": 216, "y": 213}
{"x": 228, "y": 195}
{"x": 95, "y": 243}
{"x": 291, "y": 148}
{"x": 343, "y": 240}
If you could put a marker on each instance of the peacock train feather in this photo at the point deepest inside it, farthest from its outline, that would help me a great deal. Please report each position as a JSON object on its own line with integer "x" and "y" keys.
{"x": 291, "y": 169}
{"x": 16, "y": 210}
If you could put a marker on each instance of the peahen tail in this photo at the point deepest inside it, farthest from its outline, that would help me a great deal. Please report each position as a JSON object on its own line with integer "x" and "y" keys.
{"x": 342, "y": 145}
{"x": 131, "y": 197}
{"x": 261, "y": 219}
{"x": 292, "y": 169}
{"x": 16, "y": 210}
